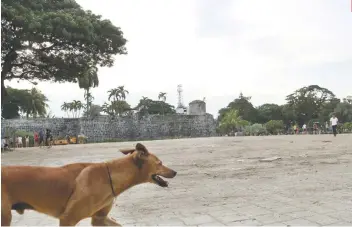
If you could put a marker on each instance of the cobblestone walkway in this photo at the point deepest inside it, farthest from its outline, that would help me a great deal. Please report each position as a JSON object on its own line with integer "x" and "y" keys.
{"x": 224, "y": 181}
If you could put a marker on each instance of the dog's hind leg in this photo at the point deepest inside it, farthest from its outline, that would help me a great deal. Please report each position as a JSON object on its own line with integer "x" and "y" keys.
{"x": 6, "y": 215}
{"x": 100, "y": 218}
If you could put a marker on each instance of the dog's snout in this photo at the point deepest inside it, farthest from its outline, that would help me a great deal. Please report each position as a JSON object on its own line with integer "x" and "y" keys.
{"x": 175, "y": 173}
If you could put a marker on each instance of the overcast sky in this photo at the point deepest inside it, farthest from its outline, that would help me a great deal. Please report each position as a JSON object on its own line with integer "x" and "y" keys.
{"x": 218, "y": 48}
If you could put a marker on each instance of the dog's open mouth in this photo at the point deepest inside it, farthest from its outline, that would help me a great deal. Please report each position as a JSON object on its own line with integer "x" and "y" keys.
{"x": 159, "y": 181}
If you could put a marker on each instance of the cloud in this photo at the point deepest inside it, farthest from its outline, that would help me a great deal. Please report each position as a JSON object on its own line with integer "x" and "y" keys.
{"x": 216, "y": 49}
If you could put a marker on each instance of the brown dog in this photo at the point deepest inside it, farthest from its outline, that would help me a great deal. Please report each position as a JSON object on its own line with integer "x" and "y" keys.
{"x": 80, "y": 190}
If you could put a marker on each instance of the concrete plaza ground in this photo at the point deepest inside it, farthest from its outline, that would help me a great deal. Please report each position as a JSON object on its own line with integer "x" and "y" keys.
{"x": 224, "y": 181}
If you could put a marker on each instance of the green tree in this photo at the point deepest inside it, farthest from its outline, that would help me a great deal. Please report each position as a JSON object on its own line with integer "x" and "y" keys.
{"x": 54, "y": 40}
{"x": 149, "y": 106}
{"x": 274, "y": 126}
{"x": 89, "y": 79}
{"x": 94, "y": 111}
{"x": 307, "y": 102}
{"x": 162, "y": 97}
{"x": 344, "y": 112}
{"x": 31, "y": 103}
{"x": 244, "y": 107}
{"x": 116, "y": 108}
{"x": 118, "y": 93}
{"x": 75, "y": 107}
{"x": 231, "y": 122}
{"x": 269, "y": 111}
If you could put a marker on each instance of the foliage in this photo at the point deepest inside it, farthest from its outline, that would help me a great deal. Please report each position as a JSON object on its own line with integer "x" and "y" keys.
{"x": 148, "y": 106}
{"x": 54, "y": 40}
{"x": 89, "y": 79}
{"x": 116, "y": 108}
{"x": 74, "y": 108}
{"x": 343, "y": 112}
{"x": 118, "y": 93}
{"x": 244, "y": 107}
{"x": 347, "y": 127}
{"x": 231, "y": 122}
{"x": 269, "y": 111}
{"x": 255, "y": 130}
{"x": 93, "y": 111}
{"x": 307, "y": 102}
{"x": 274, "y": 127}
{"x": 31, "y": 103}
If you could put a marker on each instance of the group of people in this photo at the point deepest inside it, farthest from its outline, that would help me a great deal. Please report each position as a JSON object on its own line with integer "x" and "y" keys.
{"x": 316, "y": 128}
{"x": 40, "y": 139}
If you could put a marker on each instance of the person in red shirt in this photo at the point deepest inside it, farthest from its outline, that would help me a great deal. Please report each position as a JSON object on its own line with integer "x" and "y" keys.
{"x": 36, "y": 139}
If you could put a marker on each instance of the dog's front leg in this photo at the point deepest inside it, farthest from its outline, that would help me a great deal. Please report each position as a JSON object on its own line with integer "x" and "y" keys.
{"x": 100, "y": 218}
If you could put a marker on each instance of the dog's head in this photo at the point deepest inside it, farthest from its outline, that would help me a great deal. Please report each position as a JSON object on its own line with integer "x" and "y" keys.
{"x": 150, "y": 165}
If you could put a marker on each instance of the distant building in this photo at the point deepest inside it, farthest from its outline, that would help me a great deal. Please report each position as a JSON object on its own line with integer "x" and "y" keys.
{"x": 197, "y": 107}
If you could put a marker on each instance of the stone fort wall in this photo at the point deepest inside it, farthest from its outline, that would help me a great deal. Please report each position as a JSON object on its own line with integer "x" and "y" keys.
{"x": 105, "y": 128}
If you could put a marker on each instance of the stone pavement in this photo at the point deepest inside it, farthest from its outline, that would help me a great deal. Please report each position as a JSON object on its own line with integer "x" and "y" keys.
{"x": 221, "y": 181}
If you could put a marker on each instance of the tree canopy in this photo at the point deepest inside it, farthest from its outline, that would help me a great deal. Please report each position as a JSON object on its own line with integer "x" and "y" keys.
{"x": 30, "y": 103}
{"x": 54, "y": 40}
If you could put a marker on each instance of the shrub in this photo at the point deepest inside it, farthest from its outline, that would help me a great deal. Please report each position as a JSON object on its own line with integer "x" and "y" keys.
{"x": 347, "y": 127}
{"x": 255, "y": 130}
{"x": 274, "y": 126}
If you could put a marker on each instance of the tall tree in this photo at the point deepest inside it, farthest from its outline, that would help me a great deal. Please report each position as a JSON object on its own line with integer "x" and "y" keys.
{"x": 89, "y": 79}
{"x": 54, "y": 40}
{"x": 307, "y": 102}
{"x": 30, "y": 103}
{"x": 244, "y": 107}
{"x": 94, "y": 111}
{"x": 267, "y": 112}
{"x": 231, "y": 122}
{"x": 162, "y": 97}
{"x": 149, "y": 106}
{"x": 118, "y": 93}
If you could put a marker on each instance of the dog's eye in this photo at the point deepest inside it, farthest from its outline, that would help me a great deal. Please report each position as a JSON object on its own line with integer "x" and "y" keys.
{"x": 160, "y": 162}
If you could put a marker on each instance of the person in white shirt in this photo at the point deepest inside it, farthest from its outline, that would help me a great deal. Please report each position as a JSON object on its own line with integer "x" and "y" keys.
{"x": 304, "y": 127}
{"x": 19, "y": 141}
{"x": 333, "y": 122}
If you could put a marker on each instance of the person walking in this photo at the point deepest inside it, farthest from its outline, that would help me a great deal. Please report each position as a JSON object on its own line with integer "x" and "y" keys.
{"x": 304, "y": 127}
{"x": 333, "y": 122}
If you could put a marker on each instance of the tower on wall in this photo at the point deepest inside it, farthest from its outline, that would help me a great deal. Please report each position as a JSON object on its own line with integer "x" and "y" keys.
{"x": 180, "y": 109}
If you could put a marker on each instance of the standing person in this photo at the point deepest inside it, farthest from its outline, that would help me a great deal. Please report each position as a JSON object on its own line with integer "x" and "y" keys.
{"x": 36, "y": 139}
{"x": 19, "y": 141}
{"x": 41, "y": 137}
{"x": 27, "y": 140}
{"x": 333, "y": 122}
{"x": 304, "y": 127}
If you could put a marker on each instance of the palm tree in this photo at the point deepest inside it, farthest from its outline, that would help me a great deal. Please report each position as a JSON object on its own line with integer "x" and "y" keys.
{"x": 162, "y": 97}
{"x": 122, "y": 92}
{"x": 76, "y": 107}
{"x": 232, "y": 120}
{"x": 35, "y": 103}
{"x": 89, "y": 79}
{"x": 118, "y": 93}
{"x": 66, "y": 107}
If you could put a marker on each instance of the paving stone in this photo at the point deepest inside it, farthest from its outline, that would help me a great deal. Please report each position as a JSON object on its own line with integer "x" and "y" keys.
{"x": 197, "y": 220}
{"x": 300, "y": 222}
{"x": 249, "y": 222}
{"x": 272, "y": 218}
{"x": 322, "y": 219}
{"x": 212, "y": 224}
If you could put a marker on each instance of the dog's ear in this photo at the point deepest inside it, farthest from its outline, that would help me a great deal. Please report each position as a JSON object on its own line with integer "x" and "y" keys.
{"x": 127, "y": 151}
{"x": 141, "y": 149}
{"x": 142, "y": 153}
